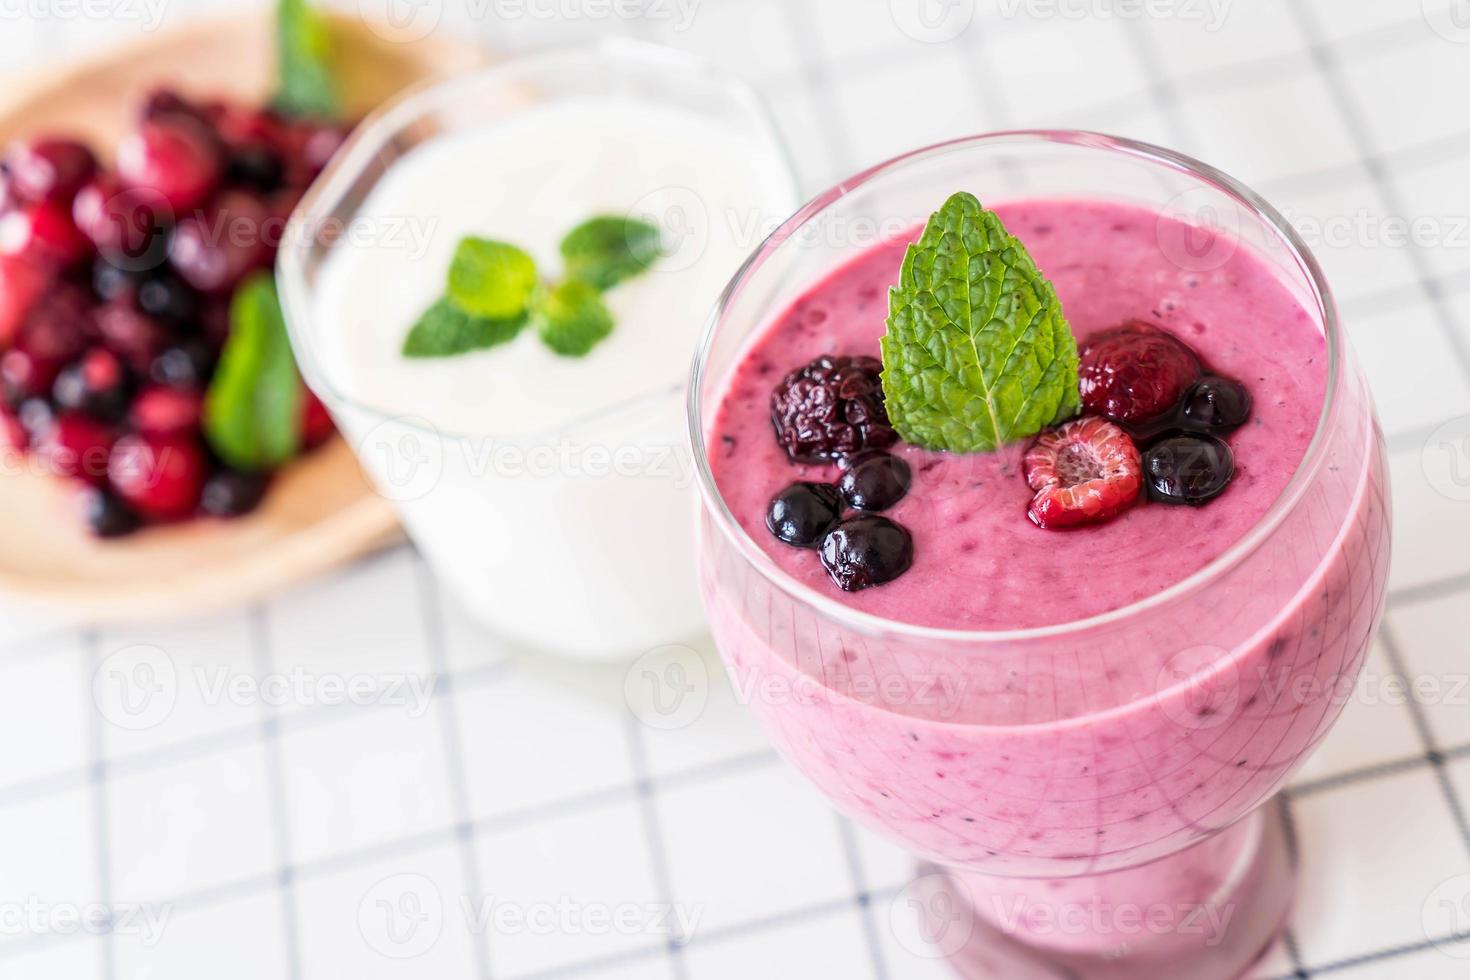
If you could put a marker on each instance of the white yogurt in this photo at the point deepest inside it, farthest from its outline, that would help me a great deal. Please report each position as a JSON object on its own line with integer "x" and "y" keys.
{"x": 553, "y": 494}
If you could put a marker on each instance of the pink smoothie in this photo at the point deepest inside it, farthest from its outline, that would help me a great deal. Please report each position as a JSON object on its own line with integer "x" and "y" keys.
{"x": 979, "y": 562}
{"x": 1082, "y": 750}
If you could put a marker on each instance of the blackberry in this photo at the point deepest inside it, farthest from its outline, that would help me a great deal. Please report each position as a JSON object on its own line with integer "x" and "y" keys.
{"x": 803, "y": 512}
{"x": 866, "y": 550}
{"x": 230, "y": 493}
{"x": 831, "y": 409}
{"x": 1192, "y": 469}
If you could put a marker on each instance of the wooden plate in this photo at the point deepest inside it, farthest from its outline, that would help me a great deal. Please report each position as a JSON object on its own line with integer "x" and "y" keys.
{"x": 321, "y": 511}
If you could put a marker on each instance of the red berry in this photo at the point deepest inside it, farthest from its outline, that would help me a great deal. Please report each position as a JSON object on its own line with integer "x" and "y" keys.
{"x": 12, "y": 433}
{"x": 162, "y": 410}
{"x": 1135, "y": 372}
{"x": 24, "y": 375}
{"x": 166, "y": 104}
{"x": 58, "y": 326}
{"x": 1084, "y": 472}
{"x": 50, "y": 169}
{"x": 134, "y": 336}
{"x": 175, "y": 156}
{"x": 96, "y": 385}
{"x": 128, "y": 224}
{"x": 43, "y": 231}
{"x": 316, "y": 423}
{"x": 21, "y": 284}
{"x": 214, "y": 249}
{"x": 76, "y": 446}
{"x": 160, "y": 477}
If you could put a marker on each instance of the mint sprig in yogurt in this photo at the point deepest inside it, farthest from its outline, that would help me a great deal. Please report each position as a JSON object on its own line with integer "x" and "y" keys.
{"x": 494, "y": 289}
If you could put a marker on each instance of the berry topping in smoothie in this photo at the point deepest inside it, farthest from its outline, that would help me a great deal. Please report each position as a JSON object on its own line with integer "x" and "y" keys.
{"x": 830, "y": 409}
{"x": 803, "y": 512}
{"x": 1216, "y": 405}
{"x": 875, "y": 481}
{"x": 1135, "y": 373}
{"x": 1188, "y": 469}
{"x": 1083, "y": 472}
{"x": 866, "y": 550}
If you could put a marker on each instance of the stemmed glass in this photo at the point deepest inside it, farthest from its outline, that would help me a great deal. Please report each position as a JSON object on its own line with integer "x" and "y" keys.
{"x": 1087, "y": 798}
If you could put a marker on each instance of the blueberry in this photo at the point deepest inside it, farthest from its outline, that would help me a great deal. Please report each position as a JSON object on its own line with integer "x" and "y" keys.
{"x": 866, "y": 550}
{"x": 875, "y": 482}
{"x": 230, "y": 493}
{"x": 183, "y": 365}
{"x": 1190, "y": 469}
{"x": 257, "y": 166}
{"x": 165, "y": 296}
{"x": 107, "y": 517}
{"x": 109, "y": 282}
{"x": 803, "y": 512}
{"x": 1216, "y": 405}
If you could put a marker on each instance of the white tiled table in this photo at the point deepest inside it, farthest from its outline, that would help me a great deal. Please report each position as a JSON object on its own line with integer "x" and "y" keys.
{"x": 268, "y": 829}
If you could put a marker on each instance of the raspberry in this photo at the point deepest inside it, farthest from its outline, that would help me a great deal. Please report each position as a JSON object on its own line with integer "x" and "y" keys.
{"x": 831, "y": 409}
{"x": 1135, "y": 373}
{"x": 1084, "y": 472}
{"x": 160, "y": 477}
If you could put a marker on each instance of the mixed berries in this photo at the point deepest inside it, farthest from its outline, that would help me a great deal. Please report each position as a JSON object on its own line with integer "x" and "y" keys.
{"x": 1153, "y": 429}
{"x": 1157, "y": 418}
{"x": 831, "y": 411}
{"x": 115, "y": 286}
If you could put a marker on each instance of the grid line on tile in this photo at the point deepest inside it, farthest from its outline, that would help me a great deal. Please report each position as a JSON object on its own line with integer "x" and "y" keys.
{"x": 450, "y": 734}
{"x": 98, "y": 735}
{"x": 269, "y": 728}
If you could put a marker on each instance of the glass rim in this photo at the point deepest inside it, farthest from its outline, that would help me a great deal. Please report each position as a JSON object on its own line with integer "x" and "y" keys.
{"x": 377, "y": 130}
{"x": 873, "y": 625}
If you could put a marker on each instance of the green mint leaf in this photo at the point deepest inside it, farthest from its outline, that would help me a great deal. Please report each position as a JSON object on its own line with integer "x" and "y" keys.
{"x": 606, "y": 250}
{"x": 305, "y": 83}
{"x": 252, "y": 411}
{"x": 977, "y": 352}
{"x": 445, "y": 330}
{"x": 571, "y": 317}
{"x": 491, "y": 279}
